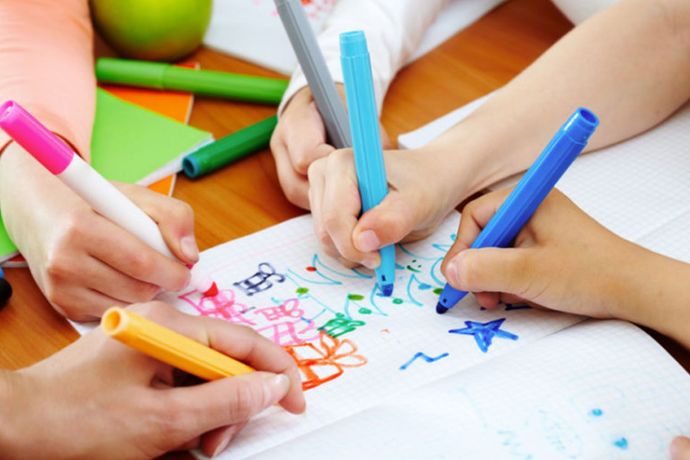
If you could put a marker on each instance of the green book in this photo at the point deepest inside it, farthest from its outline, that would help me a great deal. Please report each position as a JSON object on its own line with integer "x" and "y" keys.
{"x": 131, "y": 144}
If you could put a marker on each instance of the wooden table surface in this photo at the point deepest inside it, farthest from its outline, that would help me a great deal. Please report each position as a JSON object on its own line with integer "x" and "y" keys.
{"x": 245, "y": 197}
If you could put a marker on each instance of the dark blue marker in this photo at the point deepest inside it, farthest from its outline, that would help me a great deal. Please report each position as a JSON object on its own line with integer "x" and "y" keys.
{"x": 5, "y": 289}
{"x": 532, "y": 189}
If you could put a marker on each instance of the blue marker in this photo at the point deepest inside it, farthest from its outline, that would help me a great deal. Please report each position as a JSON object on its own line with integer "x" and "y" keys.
{"x": 5, "y": 289}
{"x": 534, "y": 186}
{"x": 366, "y": 139}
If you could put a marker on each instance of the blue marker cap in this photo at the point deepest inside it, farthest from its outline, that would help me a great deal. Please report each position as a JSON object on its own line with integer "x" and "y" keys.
{"x": 532, "y": 189}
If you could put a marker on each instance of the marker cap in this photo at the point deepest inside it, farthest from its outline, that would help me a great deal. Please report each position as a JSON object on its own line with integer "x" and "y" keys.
{"x": 353, "y": 44}
{"x": 581, "y": 125}
{"x": 46, "y": 147}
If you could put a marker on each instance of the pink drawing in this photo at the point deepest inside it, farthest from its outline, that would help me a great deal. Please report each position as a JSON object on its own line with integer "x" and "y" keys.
{"x": 221, "y": 306}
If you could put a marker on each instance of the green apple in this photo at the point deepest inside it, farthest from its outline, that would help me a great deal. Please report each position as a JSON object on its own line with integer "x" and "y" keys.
{"x": 162, "y": 30}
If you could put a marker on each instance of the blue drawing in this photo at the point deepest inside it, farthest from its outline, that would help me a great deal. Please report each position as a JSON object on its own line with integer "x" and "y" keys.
{"x": 484, "y": 333}
{"x": 621, "y": 443}
{"x": 423, "y": 356}
{"x": 596, "y": 412}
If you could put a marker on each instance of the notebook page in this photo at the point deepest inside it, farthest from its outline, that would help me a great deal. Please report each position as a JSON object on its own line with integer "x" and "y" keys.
{"x": 352, "y": 346}
{"x": 598, "y": 390}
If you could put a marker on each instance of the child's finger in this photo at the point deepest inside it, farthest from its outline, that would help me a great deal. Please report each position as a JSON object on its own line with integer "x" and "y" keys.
{"x": 305, "y": 137}
{"x": 388, "y": 223}
{"x": 216, "y": 441}
{"x": 125, "y": 253}
{"x": 81, "y": 304}
{"x": 100, "y": 277}
{"x": 341, "y": 207}
{"x": 680, "y": 448}
{"x": 294, "y": 185}
{"x": 175, "y": 218}
{"x": 242, "y": 343}
{"x": 224, "y": 402}
{"x": 490, "y": 270}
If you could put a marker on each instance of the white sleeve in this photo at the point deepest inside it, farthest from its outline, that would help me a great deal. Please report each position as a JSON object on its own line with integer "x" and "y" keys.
{"x": 394, "y": 29}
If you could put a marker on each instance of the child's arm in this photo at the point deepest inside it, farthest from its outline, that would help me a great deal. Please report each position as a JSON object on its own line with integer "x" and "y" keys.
{"x": 82, "y": 262}
{"x": 394, "y": 30}
{"x": 98, "y": 398}
{"x": 630, "y": 64}
{"x": 46, "y": 64}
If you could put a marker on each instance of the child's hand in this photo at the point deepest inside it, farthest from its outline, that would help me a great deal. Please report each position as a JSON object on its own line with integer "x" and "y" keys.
{"x": 82, "y": 262}
{"x": 298, "y": 141}
{"x": 563, "y": 259}
{"x": 417, "y": 202}
{"x": 99, "y": 398}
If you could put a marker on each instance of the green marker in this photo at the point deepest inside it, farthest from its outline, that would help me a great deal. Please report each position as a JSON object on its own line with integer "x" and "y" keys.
{"x": 160, "y": 75}
{"x": 230, "y": 148}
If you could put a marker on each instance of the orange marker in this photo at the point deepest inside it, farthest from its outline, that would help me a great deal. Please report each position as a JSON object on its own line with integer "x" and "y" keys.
{"x": 169, "y": 346}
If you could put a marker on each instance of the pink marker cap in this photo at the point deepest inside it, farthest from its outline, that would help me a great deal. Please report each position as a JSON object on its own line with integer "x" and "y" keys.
{"x": 51, "y": 151}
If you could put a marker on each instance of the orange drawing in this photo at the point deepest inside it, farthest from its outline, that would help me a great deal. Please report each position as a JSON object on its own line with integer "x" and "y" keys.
{"x": 326, "y": 360}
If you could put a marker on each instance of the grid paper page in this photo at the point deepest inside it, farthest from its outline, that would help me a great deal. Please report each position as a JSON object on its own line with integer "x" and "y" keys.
{"x": 353, "y": 347}
{"x": 598, "y": 390}
{"x": 634, "y": 188}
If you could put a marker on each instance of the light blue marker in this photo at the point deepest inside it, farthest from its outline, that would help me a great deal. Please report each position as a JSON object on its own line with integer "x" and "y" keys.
{"x": 532, "y": 189}
{"x": 366, "y": 139}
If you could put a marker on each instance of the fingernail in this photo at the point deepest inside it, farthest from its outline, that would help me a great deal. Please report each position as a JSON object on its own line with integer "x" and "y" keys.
{"x": 371, "y": 261}
{"x": 189, "y": 247}
{"x": 367, "y": 241}
{"x": 275, "y": 388}
{"x": 229, "y": 434}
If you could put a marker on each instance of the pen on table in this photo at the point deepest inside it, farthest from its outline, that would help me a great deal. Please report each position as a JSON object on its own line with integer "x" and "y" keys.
{"x": 532, "y": 189}
{"x": 5, "y": 289}
{"x": 103, "y": 197}
{"x": 203, "y": 82}
{"x": 313, "y": 64}
{"x": 169, "y": 346}
{"x": 229, "y": 148}
{"x": 366, "y": 139}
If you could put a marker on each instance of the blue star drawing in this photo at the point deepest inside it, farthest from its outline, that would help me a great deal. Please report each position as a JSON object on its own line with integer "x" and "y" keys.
{"x": 484, "y": 333}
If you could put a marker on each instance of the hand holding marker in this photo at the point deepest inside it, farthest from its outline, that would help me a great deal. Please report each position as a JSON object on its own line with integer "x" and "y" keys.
{"x": 366, "y": 139}
{"x": 100, "y": 194}
{"x": 532, "y": 189}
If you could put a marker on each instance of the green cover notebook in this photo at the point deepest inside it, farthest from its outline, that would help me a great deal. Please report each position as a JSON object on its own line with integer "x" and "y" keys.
{"x": 131, "y": 144}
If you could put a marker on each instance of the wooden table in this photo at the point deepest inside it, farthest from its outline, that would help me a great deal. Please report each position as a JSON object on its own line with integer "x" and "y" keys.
{"x": 246, "y": 197}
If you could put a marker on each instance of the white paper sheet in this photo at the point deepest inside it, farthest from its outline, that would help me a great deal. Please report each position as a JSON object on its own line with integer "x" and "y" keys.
{"x": 597, "y": 390}
{"x": 337, "y": 327}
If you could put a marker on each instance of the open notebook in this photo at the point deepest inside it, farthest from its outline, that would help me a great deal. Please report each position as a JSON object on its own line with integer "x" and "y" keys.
{"x": 385, "y": 376}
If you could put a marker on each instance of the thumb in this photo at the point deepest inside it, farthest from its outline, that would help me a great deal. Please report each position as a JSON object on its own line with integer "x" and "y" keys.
{"x": 490, "y": 270}
{"x": 228, "y": 401}
{"x": 388, "y": 223}
{"x": 680, "y": 448}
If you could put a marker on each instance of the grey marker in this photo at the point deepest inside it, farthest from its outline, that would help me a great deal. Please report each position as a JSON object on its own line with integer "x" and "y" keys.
{"x": 313, "y": 64}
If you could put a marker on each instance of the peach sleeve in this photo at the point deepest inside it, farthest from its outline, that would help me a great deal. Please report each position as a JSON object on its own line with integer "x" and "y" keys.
{"x": 46, "y": 64}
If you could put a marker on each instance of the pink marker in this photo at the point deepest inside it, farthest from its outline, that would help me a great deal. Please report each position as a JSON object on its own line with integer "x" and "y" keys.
{"x": 58, "y": 158}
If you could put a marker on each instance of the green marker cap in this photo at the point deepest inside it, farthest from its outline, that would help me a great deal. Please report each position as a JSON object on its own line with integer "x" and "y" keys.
{"x": 131, "y": 72}
{"x": 229, "y": 149}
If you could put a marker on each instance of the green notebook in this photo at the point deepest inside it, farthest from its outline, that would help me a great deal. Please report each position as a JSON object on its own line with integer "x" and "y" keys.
{"x": 132, "y": 144}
